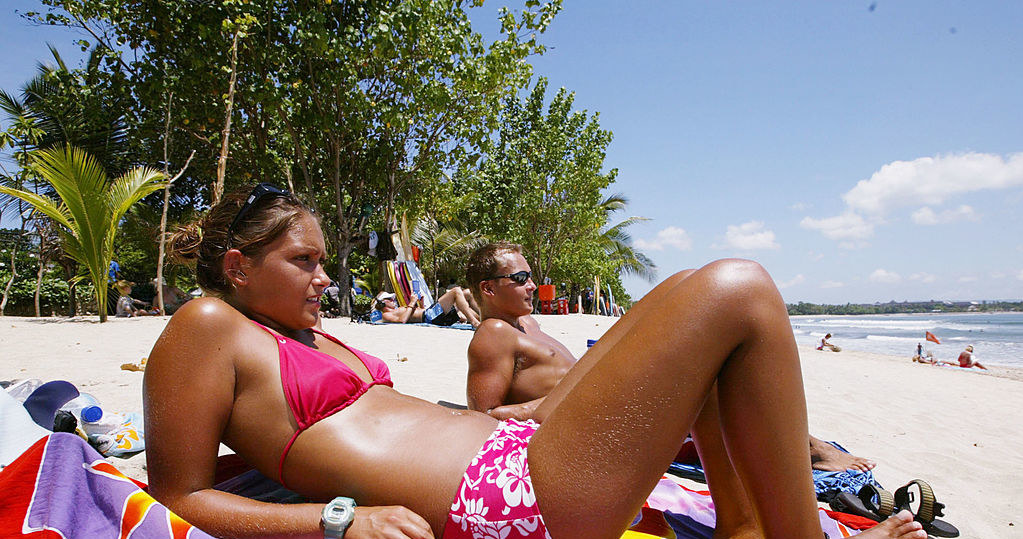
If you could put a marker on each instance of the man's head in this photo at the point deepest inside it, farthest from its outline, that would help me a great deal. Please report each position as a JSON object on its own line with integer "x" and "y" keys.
{"x": 384, "y": 300}
{"x": 499, "y": 277}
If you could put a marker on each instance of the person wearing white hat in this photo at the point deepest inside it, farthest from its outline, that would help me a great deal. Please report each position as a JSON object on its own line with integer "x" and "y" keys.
{"x": 450, "y": 308}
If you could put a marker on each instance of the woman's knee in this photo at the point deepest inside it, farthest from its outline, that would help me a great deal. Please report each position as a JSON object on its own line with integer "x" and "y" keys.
{"x": 737, "y": 282}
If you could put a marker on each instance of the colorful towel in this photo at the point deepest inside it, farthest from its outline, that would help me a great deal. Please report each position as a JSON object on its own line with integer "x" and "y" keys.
{"x": 62, "y": 488}
{"x": 827, "y": 485}
{"x": 690, "y": 513}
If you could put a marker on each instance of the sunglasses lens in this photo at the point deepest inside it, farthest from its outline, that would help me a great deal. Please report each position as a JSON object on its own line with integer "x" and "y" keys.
{"x": 520, "y": 277}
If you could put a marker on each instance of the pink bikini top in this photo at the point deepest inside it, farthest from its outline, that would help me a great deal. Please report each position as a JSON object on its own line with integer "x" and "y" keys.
{"x": 317, "y": 385}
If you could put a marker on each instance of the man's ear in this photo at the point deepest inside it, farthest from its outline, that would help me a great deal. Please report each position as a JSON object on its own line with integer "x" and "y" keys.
{"x": 234, "y": 261}
{"x": 487, "y": 288}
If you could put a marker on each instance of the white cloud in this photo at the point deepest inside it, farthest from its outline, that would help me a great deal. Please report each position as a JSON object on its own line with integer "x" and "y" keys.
{"x": 927, "y": 216}
{"x": 832, "y": 284}
{"x": 884, "y": 276}
{"x": 923, "y": 277}
{"x": 1020, "y": 275}
{"x": 997, "y": 275}
{"x": 848, "y": 226}
{"x": 749, "y": 236}
{"x": 668, "y": 237}
{"x": 967, "y": 279}
{"x": 932, "y": 180}
{"x": 792, "y": 282}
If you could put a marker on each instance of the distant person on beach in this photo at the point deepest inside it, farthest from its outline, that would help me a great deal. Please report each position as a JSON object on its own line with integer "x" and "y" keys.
{"x": 128, "y": 306}
{"x": 966, "y": 360}
{"x": 919, "y": 350}
{"x": 513, "y": 364}
{"x": 826, "y": 345}
{"x": 451, "y": 308}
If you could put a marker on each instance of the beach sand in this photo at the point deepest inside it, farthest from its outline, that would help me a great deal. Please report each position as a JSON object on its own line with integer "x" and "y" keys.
{"x": 953, "y": 429}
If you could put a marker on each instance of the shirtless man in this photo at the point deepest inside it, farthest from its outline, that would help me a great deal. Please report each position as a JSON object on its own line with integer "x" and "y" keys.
{"x": 966, "y": 359}
{"x": 513, "y": 364}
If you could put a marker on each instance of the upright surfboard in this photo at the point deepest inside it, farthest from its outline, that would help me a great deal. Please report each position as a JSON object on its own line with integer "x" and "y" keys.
{"x": 394, "y": 283}
{"x": 419, "y": 283}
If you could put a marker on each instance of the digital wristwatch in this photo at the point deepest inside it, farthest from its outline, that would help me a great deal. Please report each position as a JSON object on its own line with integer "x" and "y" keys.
{"x": 337, "y": 516}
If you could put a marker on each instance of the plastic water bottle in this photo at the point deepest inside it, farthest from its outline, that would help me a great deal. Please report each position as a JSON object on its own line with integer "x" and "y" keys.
{"x": 85, "y": 408}
{"x": 105, "y": 424}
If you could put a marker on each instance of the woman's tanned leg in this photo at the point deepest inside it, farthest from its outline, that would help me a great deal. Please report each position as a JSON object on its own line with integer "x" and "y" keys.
{"x": 734, "y": 514}
{"x": 616, "y": 427}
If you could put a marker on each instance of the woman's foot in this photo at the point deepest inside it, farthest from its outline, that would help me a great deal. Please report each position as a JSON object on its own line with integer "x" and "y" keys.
{"x": 898, "y": 526}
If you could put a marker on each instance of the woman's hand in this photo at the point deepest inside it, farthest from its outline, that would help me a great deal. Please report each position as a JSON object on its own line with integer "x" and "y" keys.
{"x": 388, "y": 522}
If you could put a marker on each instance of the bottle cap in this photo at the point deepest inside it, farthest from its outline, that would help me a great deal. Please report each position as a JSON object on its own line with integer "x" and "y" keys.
{"x": 92, "y": 413}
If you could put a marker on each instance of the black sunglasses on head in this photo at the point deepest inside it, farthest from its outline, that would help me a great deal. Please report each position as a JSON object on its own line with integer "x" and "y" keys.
{"x": 519, "y": 276}
{"x": 259, "y": 192}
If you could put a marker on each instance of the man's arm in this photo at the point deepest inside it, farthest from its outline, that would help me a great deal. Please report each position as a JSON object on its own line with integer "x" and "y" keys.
{"x": 492, "y": 371}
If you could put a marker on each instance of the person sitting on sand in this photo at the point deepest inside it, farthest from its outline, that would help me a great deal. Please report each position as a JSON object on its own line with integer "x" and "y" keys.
{"x": 243, "y": 366}
{"x": 513, "y": 364}
{"x": 128, "y": 306}
{"x": 452, "y": 307}
{"x": 825, "y": 345}
{"x": 966, "y": 360}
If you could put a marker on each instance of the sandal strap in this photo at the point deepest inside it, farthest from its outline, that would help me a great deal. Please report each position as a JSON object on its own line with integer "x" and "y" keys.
{"x": 925, "y": 513}
{"x": 885, "y": 501}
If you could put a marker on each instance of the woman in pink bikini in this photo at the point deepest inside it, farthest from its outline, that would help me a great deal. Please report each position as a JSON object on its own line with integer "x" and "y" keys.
{"x": 246, "y": 368}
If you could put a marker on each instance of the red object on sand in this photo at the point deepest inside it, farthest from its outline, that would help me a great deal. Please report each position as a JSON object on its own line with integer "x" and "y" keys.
{"x": 930, "y": 337}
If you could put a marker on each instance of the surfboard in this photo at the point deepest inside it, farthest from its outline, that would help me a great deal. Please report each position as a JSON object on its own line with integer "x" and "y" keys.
{"x": 399, "y": 270}
{"x": 394, "y": 282}
{"x": 417, "y": 277}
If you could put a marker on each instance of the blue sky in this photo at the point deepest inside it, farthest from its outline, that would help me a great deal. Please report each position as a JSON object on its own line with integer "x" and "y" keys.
{"x": 861, "y": 151}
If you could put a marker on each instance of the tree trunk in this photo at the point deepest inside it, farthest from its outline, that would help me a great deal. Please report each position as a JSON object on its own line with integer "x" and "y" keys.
{"x": 39, "y": 272}
{"x": 10, "y": 282}
{"x": 101, "y": 289}
{"x": 218, "y": 188}
{"x": 39, "y": 281}
{"x": 163, "y": 214}
{"x": 72, "y": 298}
{"x": 344, "y": 278}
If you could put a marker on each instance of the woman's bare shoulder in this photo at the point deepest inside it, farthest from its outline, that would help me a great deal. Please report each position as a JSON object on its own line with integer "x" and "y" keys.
{"x": 203, "y": 321}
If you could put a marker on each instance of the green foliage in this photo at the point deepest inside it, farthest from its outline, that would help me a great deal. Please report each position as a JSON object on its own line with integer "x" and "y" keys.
{"x": 540, "y": 186}
{"x": 357, "y": 104}
{"x": 89, "y": 207}
{"x": 892, "y": 307}
{"x": 361, "y": 304}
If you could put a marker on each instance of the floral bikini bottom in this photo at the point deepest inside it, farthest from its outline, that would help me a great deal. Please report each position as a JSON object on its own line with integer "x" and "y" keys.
{"x": 496, "y": 498}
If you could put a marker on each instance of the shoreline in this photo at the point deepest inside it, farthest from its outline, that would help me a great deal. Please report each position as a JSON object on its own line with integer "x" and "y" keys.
{"x": 956, "y": 430}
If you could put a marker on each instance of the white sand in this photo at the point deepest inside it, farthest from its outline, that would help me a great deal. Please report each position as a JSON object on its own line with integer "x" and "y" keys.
{"x": 953, "y": 429}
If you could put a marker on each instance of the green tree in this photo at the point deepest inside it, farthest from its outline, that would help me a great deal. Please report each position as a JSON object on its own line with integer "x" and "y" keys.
{"x": 541, "y": 182}
{"x": 88, "y": 208}
{"x": 356, "y": 104}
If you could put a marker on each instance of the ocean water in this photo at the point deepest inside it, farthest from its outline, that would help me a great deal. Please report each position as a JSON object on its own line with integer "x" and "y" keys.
{"x": 997, "y": 338}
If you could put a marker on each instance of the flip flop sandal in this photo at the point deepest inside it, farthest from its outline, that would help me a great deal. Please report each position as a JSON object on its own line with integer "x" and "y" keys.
{"x": 927, "y": 509}
{"x": 862, "y": 504}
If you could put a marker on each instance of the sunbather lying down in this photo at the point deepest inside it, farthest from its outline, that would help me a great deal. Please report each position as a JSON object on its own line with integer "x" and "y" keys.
{"x": 454, "y": 306}
{"x": 247, "y": 369}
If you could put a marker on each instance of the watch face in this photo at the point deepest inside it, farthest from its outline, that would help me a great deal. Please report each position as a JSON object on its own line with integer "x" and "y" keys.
{"x": 337, "y": 516}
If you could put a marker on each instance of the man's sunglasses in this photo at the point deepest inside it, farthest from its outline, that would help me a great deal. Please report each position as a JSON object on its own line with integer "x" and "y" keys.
{"x": 519, "y": 276}
{"x": 261, "y": 191}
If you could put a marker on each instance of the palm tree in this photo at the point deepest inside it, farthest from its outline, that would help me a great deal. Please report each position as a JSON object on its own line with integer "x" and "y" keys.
{"x": 445, "y": 246}
{"x": 88, "y": 208}
{"x": 617, "y": 243}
